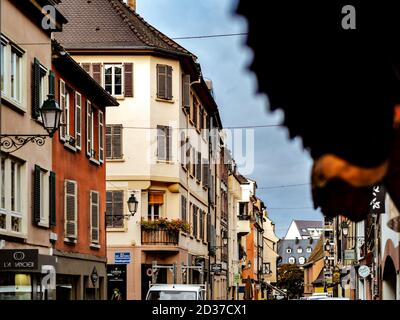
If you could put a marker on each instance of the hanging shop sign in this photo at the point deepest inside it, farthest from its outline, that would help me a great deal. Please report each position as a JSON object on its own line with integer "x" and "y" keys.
{"x": 18, "y": 259}
{"x": 364, "y": 271}
{"x": 349, "y": 254}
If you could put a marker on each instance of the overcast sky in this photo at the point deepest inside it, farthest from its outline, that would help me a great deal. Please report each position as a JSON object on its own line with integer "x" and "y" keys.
{"x": 225, "y": 60}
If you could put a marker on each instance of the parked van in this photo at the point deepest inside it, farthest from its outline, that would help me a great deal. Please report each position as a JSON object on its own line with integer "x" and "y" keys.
{"x": 176, "y": 292}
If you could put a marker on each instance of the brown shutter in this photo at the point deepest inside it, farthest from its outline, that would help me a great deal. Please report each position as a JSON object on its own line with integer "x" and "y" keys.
{"x": 108, "y": 142}
{"x": 118, "y": 208}
{"x": 186, "y": 91}
{"x": 70, "y": 209}
{"x": 169, "y": 82}
{"x": 198, "y": 169}
{"x": 36, "y": 74}
{"x": 161, "y": 81}
{"x": 161, "y": 143}
{"x": 156, "y": 198}
{"x": 169, "y": 143}
{"x": 109, "y": 209}
{"x": 94, "y": 211}
{"x": 117, "y": 142}
{"x": 96, "y": 69}
{"x": 87, "y": 68}
{"x": 128, "y": 80}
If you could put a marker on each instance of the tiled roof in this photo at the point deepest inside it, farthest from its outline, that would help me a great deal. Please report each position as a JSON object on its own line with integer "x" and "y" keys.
{"x": 305, "y": 224}
{"x": 110, "y": 24}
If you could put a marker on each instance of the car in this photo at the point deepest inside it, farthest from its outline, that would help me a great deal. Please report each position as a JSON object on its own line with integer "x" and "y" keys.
{"x": 176, "y": 292}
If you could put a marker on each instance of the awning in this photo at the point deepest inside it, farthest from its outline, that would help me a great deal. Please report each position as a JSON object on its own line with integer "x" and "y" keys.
{"x": 338, "y": 89}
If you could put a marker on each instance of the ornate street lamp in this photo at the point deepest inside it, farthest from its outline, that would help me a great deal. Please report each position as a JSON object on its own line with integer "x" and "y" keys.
{"x": 132, "y": 204}
{"x": 50, "y": 113}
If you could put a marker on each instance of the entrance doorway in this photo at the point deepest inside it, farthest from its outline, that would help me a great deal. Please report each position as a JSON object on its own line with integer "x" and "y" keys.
{"x": 389, "y": 280}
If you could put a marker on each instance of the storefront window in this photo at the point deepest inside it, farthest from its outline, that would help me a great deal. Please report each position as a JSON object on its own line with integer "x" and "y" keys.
{"x": 15, "y": 286}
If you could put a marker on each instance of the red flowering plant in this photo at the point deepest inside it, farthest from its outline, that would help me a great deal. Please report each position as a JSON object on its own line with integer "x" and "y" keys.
{"x": 164, "y": 224}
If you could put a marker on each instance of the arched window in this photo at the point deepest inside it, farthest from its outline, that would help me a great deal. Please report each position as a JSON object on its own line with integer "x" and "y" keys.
{"x": 299, "y": 250}
{"x": 288, "y": 250}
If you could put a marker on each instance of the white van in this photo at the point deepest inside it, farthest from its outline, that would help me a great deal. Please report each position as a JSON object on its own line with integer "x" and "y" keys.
{"x": 176, "y": 292}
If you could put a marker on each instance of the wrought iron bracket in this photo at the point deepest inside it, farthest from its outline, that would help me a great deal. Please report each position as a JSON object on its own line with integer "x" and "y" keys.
{"x": 10, "y": 143}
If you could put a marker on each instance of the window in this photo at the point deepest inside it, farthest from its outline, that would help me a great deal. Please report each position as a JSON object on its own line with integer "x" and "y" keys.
{"x": 156, "y": 200}
{"x": 184, "y": 208}
{"x": 292, "y": 260}
{"x": 205, "y": 172}
{"x": 78, "y": 120}
{"x": 11, "y": 196}
{"x": 243, "y": 209}
{"x": 309, "y": 249}
{"x": 288, "y": 250}
{"x": 41, "y": 202}
{"x": 114, "y": 141}
{"x": 183, "y": 150}
{"x": 2, "y": 66}
{"x": 101, "y": 136}
{"x": 64, "y": 105}
{"x": 113, "y": 79}
{"x": 193, "y": 162}
{"x": 299, "y": 250}
{"x": 115, "y": 209}
{"x": 195, "y": 221}
{"x": 94, "y": 216}
{"x": 164, "y": 143}
{"x": 71, "y": 209}
{"x": 186, "y": 92}
{"x": 201, "y": 224}
{"x": 92, "y": 131}
{"x": 164, "y": 82}
{"x": 198, "y": 167}
{"x": 195, "y": 111}
{"x": 302, "y": 260}
{"x": 12, "y": 75}
{"x": 16, "y": 75}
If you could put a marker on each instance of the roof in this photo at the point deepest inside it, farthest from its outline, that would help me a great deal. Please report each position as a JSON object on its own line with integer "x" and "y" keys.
{"x": 74, "y": 73}
{"x": 242, "y": 179}
{"x": 110, "y": 24}
{"x": 317, "y": 253}
{"x": 305, "y": 224}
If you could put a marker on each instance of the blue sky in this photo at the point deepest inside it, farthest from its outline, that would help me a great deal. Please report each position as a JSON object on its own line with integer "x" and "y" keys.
{"x": 278, "y": 160}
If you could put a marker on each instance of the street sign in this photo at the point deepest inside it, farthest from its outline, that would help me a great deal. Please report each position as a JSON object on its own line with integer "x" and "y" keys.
{"x": 349, "y": 254}
{"x": 216, "y": 267}
{"x": 122, "y": 257}
{"x": 364, "y": 271}
{"x": 236, "y": 278}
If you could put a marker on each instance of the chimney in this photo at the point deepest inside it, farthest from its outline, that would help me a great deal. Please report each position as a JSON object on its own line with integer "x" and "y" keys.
{"x": 132, "y": 4}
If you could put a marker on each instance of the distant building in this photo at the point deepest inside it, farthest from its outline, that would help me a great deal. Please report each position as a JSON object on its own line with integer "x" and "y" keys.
{"x": 304, "y": 229}
{"x": 295, "y": 251}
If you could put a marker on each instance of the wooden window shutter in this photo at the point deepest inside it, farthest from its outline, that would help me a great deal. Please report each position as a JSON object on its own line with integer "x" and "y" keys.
{"x": 188, "y": 156}
{"x": 78, "y": 121}
{"x": 128, "y": 70}
{"x": 109, "y": 209}
{"x": 156, "y": 198}
{"x": 109, "y": 142}
{"x": 36, "y": 89}
{"x": 101, "y": 136}
{"x": 161, "y": 143}
{"x": 183, "y": 208}
{"x": 169, "y": 82}
{"x": 87, "y": 68}
{"x": 116, "y": 142}
{"x": 118, "y": 208}
{"x": 183, "y": 149}
{"x": 169, "y": 143}
{"x": 52, "y": 199}
{"x": 96, "y": 69}
{"x": 70, "y": 209}
{"x": 36, "y": 194}
{"x": 94, "y": 216}
{"x": 186, "y": 91}
{"x": 52, "y": 83}
{"x": 63, "y": 106}
{"x": 161, "y": 81}
{"x": 89, "y": 128}
{"x": 205, "y": 173}
{"x": 198, "y": 169}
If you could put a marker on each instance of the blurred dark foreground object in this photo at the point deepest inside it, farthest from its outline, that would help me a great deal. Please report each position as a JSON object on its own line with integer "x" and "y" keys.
{"x": 338, "y": 89}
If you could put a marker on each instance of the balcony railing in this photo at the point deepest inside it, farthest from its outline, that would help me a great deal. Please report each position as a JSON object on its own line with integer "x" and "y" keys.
{"x": 160, "y": 237}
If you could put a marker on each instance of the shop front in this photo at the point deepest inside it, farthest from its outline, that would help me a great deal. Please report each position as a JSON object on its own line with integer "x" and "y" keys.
{"x": 26, "y": 275}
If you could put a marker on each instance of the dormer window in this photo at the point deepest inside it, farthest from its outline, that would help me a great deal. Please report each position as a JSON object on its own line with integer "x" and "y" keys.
{"x": 288, "y": 250}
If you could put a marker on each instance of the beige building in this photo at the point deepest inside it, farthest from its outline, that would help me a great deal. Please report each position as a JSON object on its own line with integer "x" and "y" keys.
{"x": 270, "y": 247}
{"x": 157, "y": 145}
{"x": 24, "y": 211}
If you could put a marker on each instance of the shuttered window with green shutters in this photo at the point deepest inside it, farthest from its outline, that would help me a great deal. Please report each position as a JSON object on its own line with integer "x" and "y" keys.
{"x": 164, "y": 82}
{"x": 94, "y": 216}
{"x": 52, "y": 199}
{"x": 71, "y": 209}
